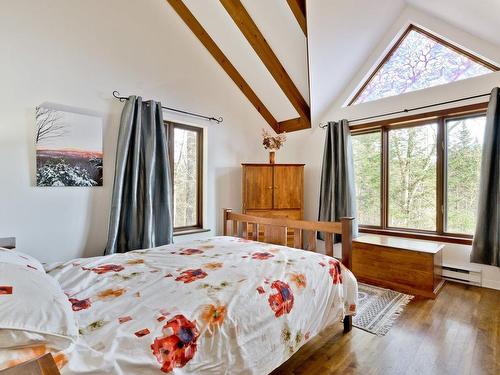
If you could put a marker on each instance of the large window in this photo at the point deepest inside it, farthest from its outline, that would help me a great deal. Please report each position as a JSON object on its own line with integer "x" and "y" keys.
{"x": 186, "y": 155}
{"x": 419, "y": 60}
{"x": 420, "y": 176}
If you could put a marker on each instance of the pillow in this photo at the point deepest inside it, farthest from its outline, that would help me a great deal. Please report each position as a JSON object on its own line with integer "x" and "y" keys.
{"x": 16, "y": 257}
{"x": 33, "y": 310}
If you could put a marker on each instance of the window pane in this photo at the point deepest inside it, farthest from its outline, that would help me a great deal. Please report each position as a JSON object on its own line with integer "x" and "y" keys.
{"x": 185, "y": 177}
{"x": 412, "y": 177}
{"x": 367, "y": 159}
{"x": 464, "y": 140}
{"x": 419, "y": 62}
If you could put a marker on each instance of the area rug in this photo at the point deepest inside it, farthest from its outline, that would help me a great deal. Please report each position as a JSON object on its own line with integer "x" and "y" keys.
{"x": 378, "y": 308}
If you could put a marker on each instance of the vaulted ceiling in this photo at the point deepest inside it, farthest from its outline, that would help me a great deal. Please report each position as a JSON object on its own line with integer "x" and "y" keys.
{"x": 479, "y": 18}
{"x": 262, "y": 46}
{"x": 292, "y": 73}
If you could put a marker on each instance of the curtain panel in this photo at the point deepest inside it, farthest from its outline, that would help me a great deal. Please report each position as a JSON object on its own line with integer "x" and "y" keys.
{"x": 486, "y": 245}
{"x": 337, "y": 191}
{"x": 142, "y": 208}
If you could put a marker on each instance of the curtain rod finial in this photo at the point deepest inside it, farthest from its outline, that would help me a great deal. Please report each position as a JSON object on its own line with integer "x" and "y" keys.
{"x": 116, "y": 94}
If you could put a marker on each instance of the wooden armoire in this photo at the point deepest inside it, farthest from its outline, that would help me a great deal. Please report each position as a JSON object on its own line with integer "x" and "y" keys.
{"x": 273, "y": 190}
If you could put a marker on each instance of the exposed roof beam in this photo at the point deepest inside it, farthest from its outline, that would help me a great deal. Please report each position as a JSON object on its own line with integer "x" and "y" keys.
{"x": 294, "y": 124}
{"x": 251, "y": 32}
{"x": 298, "y": 8}
{"x": 223, "y": 61}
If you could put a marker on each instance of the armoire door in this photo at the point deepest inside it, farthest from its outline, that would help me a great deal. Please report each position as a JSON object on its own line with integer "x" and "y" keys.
{"x": 258, "y": 185}
{"x": 288, "y": 187}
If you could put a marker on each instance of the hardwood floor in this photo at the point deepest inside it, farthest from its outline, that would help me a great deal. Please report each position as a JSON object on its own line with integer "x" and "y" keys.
{"x": 457, "y": 333}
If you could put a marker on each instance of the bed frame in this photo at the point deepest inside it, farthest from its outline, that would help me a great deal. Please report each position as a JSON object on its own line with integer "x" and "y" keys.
{"x": 43, "y": 365}
{"x": 304, "y": 233}
{"x": 269, "y": 230}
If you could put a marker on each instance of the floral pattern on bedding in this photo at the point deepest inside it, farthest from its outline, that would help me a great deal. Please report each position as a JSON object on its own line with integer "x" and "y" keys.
{"x": 211, "y": 306}
{"x": 6, "y": 289}
{"x": 178, "y": 345}
{"x": 281, "y": 302}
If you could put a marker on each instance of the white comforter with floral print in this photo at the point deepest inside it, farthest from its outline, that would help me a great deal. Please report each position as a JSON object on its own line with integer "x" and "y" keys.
{"x": 218, "y": 306}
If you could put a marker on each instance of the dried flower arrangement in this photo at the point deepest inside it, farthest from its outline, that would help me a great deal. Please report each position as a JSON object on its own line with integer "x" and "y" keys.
{"x": 272, "y": 143}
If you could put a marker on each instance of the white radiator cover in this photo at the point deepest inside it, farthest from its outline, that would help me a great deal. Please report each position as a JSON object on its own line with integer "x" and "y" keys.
{"x": 463, "y": 274}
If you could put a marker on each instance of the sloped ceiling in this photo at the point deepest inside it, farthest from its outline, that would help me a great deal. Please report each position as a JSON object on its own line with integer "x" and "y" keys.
{"x": 281, "y": 30}
{"x": 343, "y": 37}
{"x": 479, "y": 18}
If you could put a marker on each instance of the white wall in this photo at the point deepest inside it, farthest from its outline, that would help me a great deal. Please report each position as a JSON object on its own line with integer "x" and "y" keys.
{"x": 307, "y": 146}
{"x": 76, "y": 53}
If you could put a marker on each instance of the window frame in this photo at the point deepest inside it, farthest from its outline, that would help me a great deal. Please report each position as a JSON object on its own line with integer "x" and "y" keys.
{"x": 384, "y": 126}
{"x": 172, "y": 125}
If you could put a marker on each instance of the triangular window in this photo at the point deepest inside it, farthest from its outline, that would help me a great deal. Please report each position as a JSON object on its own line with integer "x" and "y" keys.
{"x": 417, "y": 61}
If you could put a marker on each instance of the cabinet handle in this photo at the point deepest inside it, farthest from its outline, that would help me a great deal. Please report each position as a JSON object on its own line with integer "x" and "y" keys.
{"x": 275, "y": 187}
{"x": 269, "y": 187}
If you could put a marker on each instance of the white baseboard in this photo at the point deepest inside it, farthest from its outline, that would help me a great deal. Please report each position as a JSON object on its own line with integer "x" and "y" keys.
{"x": 493, "y": 284}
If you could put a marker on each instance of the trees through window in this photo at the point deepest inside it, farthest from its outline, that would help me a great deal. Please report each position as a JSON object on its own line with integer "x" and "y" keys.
{"x": 186, "y": 155}
{"x": 412, "y": 177}
{"x": 464, "y": 138}
{"x": 367, "y": 164}
{"x": 421, "y": 176}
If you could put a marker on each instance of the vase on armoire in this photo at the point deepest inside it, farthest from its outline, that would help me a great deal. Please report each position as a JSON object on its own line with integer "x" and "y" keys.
{"x": 272, "y": 157}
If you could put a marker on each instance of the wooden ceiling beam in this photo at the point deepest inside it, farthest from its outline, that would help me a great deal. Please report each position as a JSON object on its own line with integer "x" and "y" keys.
{"x": 298, "y": 8}
{"x": 251, "y": 32}
{"x": 293, "y": 125}
{"x": 223, "y": 61}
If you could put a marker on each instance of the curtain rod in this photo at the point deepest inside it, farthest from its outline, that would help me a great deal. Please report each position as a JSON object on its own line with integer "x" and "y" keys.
{"x": 323, "y": 125}
{"x": 116, "y": 94}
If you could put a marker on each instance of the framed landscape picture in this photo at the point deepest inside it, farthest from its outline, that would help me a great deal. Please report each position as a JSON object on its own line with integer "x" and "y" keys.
{"x": 68, "y": 148}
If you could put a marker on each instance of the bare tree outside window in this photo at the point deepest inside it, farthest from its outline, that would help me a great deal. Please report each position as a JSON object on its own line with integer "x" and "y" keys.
{"x": 187, "y": 174}
{"x": 412, "y": 177}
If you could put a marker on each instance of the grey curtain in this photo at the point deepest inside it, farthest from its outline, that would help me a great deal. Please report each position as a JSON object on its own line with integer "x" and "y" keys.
{"x": 486, "y": 245}
{"x": 142, "y": 209}
{"x": 337, "y": 193}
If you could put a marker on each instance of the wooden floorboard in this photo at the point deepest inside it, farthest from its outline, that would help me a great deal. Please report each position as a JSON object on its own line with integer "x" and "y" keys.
{"x": 458, "y": 333}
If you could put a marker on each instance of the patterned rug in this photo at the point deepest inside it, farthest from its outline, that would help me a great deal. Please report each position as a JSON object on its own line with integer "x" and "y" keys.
{"x": 378, "y": 308}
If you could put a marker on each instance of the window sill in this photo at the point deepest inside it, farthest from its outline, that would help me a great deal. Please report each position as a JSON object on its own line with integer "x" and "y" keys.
{"x": 190, "y": 231}
{"x": 420, "y": 236}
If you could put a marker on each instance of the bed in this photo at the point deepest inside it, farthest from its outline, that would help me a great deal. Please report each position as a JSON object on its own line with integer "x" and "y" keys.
{"x": 241, "y": 303}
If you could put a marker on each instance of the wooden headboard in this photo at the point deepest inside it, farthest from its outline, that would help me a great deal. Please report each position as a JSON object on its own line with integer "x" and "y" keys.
{"x": 276, "y": 230}
{"x": 44, "y": 365}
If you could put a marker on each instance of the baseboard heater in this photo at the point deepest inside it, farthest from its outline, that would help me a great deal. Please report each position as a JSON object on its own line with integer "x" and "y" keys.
{"x": 462, "y": 274}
